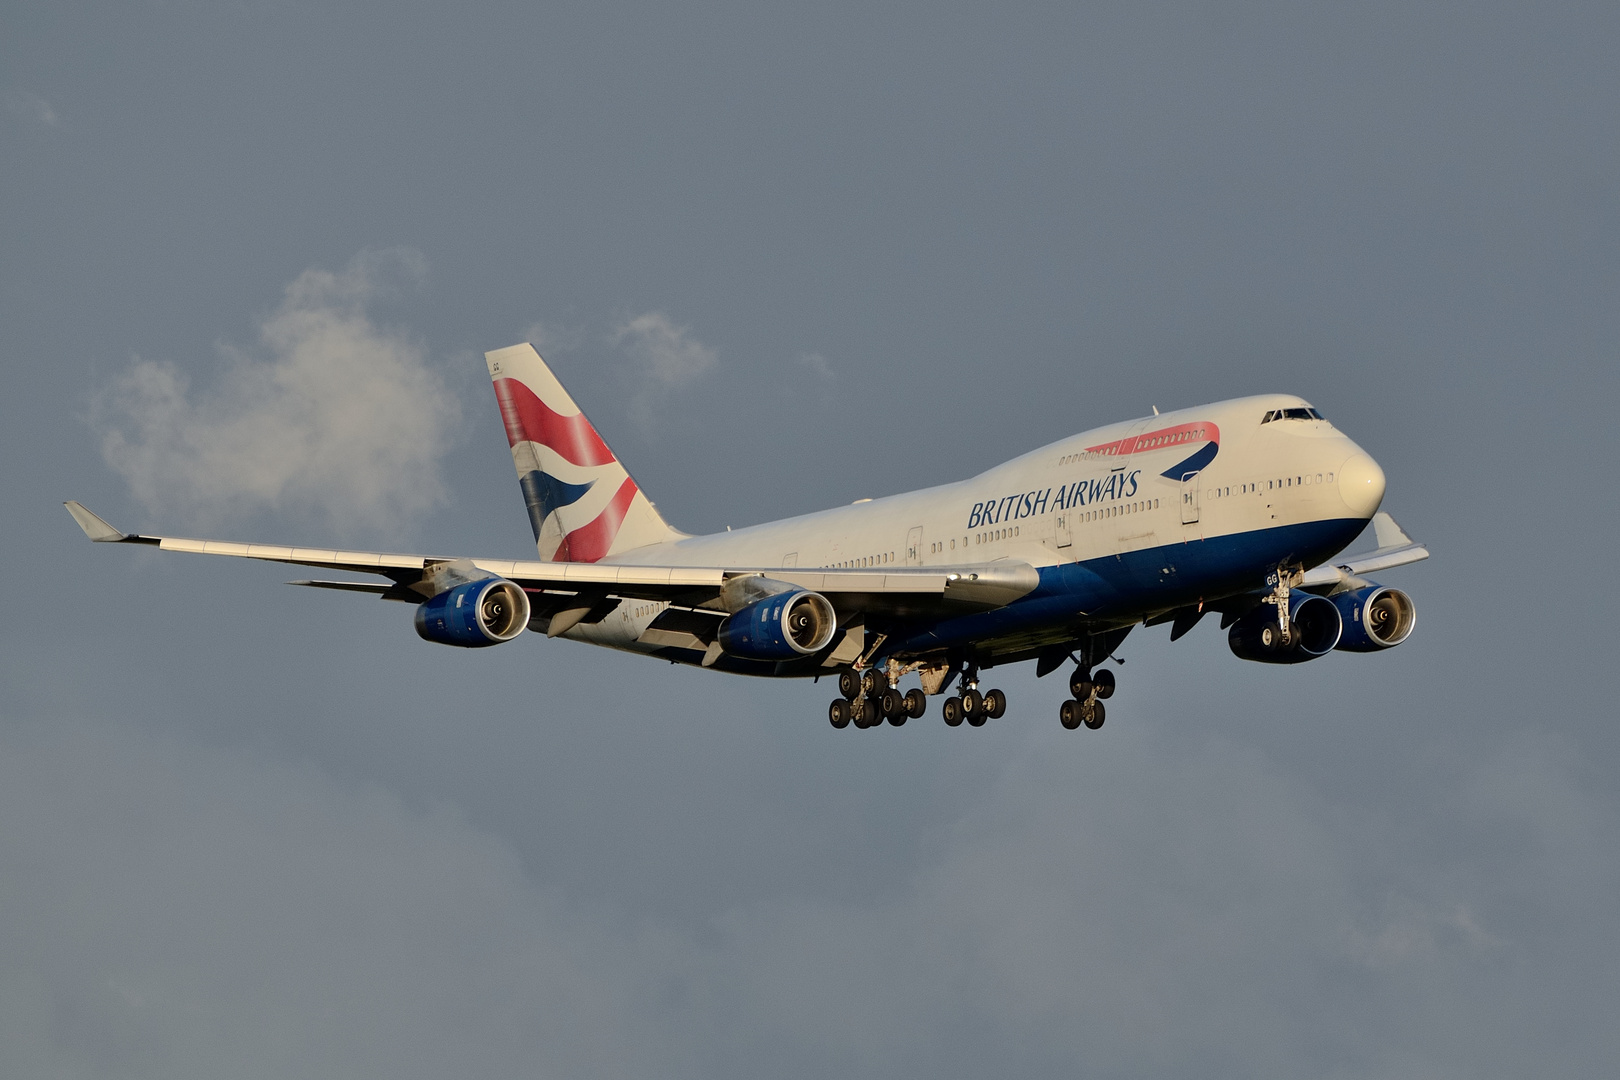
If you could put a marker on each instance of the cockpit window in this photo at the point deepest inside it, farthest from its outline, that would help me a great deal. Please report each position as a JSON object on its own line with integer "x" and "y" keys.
{"x": 1292, "y": 414}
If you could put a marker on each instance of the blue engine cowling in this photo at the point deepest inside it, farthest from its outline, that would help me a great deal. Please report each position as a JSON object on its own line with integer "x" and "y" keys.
{"x": 1314, "y": 627}
{"x": 785, "y": 626}
{"x": 474, "y": 615}
{"x": 1375, "y": 618}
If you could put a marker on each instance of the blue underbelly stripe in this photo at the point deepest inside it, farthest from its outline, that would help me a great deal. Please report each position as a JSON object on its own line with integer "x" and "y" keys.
{"x": 1133, "y": 583}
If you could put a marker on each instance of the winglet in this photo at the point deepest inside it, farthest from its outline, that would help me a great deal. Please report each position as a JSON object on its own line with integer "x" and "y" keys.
{"x": 1387, "y": 533}
{"x": 1394, "y": 549}
{"x": 94, "y": 527}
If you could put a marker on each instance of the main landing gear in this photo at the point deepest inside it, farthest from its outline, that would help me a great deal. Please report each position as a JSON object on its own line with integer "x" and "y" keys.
{"x": 869, "y": 699}
{"x": 1086, "y": 707}
{"x": 973, "y": 706}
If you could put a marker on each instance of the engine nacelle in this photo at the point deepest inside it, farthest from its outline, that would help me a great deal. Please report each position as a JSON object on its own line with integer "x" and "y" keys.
{"x": 474, "y": 615}
{"x": 1376, "y": 617}
{"x": 1314, "y": 626}
{"x": 785, "y": 626}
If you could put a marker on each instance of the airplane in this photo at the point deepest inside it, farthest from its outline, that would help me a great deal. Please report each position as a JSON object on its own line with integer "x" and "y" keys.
{"x": 1235, "y": 507}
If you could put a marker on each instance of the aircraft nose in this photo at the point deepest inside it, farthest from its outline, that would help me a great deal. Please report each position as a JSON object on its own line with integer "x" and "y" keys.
{"x": 1361, "y": 484}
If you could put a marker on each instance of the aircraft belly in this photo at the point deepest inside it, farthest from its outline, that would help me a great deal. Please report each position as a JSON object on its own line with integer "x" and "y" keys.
{"x": 1121, "y": 588}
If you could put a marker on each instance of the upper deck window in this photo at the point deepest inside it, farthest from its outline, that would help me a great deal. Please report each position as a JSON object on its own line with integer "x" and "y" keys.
{"x": 1292, "y": 414}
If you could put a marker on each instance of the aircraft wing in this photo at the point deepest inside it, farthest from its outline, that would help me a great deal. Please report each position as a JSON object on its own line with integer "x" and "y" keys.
{"x": 1395, "y": 548}
{"x": 893, "y": 591}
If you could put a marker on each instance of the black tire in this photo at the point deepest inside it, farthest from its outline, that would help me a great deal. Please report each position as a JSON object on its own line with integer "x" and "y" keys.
{"x": 838, "y": 713}
{"x": 1069, "y": 714}
{"x": 1095, "y": 718}
{"x": 860, "y": 712}
{"x": 849, "y": 684}
{"x": 972, "y": 704}
{"x": 977, "y": 719}
{"x": 899, "y": 719}
{"x": 995, "y": 704}
{"x": 952, "y": 711}
{"x": 916, "y": 703}
{"x": 1105, "y": 683}
{"x": 892, "y": 703}
{"x": 874, "y": 682}
{"x": 1080, "y": 684}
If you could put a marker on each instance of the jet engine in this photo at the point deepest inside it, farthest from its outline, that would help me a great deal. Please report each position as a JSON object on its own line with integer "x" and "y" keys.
{"x": 1375, "y": 617}
{"x": 784, "y": 626}
{"x": 474, "y": 615}
{"x": 1314, "y": 626}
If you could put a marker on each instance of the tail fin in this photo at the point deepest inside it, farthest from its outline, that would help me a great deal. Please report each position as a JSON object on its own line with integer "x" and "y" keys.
{"x": 582, "y": 504}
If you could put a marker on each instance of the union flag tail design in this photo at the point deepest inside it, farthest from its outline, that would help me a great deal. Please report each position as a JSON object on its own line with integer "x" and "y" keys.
{"x": 582, "y": 504}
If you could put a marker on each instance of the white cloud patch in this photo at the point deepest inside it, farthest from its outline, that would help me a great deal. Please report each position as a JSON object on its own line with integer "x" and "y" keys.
{"x": 668, "y": 357}
{"x": 32, "y": 108}
{"x": 330, "y": 414}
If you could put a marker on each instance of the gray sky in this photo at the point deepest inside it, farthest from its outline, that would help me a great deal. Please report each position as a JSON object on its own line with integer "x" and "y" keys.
{"x": 251, "y": 254}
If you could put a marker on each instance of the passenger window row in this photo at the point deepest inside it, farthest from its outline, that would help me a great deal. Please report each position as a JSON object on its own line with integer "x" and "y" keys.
{"x": 861, "y": 563}
{"x": 1278, "y": 483}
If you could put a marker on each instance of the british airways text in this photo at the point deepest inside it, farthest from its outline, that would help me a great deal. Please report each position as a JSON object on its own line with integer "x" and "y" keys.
{"x": 1117, "y": 485}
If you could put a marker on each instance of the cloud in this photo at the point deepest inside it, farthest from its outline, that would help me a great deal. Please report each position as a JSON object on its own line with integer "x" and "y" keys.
{"x": 672, "y": 357}
{"x": 329, "y": 414}
{"x": 1410, "y": 931}
{"x": 548, "y": 339}
{"x": 195, "y": 913}
{"x": 667, "y": 354}
{"x": 184, "y": 911}
{"x": 817, "y": 365}
{"x": 33, "y": 108}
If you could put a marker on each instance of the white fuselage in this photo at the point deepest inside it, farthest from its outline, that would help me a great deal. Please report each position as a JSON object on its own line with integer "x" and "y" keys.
{"x": 1098, "y": 499}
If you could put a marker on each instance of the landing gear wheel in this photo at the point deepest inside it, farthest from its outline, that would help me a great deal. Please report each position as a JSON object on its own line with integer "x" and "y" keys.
{"x": 977, "y": 719}
{"x": 892, "y": 704}
{"x": 995, "y": 704}
{"x": 874, "y": 682}
{"x": 1069, "y": 714}
{"x": 973, "y": 705}
{"x": 838, "y": 713}
{"x": 1105, "y": 683}
{"x": 916, "y": 703}
{"x": 1080, "y": 684}
{"x": 849, "y": 684}
{"x": 1095, "y": 715}
{"x": 860, "y": 711}
{"x": 952, "y": 711}
{"x": 899, "y": 719}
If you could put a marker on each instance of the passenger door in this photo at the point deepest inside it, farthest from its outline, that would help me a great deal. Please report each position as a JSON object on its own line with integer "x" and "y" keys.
{"x": 914, "y": 547}
{"x": 1189, "y": 498}
{"x": 1063, "y": 523}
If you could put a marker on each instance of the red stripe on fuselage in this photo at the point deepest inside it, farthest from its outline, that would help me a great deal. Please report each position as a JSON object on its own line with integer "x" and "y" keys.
{"x": 591, "y": 541}
{"x": 1180, "y": 435}
{"x": 528, "y": 419}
